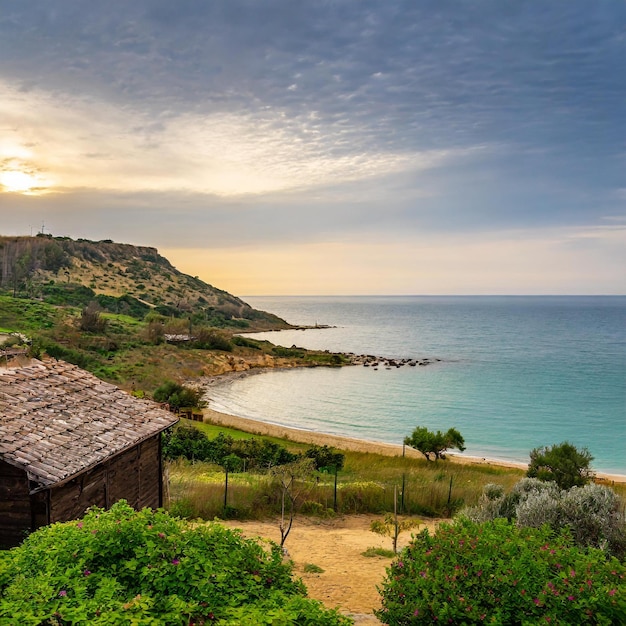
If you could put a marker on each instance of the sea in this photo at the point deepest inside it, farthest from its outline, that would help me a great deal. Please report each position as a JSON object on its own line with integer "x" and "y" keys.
{"x": 514, "y": 373}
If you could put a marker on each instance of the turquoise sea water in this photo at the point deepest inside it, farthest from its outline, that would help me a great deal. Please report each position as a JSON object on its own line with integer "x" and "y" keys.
{"x": 515, "y": 372}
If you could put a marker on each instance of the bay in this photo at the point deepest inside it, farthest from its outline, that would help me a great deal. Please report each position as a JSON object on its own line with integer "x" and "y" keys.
{"x": 515, "y": 372}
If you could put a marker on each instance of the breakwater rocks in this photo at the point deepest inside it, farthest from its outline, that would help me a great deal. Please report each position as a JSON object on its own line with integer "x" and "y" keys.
{"x": 368, "y": 360}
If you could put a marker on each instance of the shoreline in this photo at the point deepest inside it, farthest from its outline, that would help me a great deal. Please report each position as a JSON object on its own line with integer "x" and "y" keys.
{"x": 342, "y": 442}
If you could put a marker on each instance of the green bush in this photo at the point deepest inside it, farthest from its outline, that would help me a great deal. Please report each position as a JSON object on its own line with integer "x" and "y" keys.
{"x": 253, "y": 453}
{"x": 497, "y": 573}
{"x": 562, "y": 463}
{"x": 126, "y": 567}
{"x": 325, "y": 457}
{"x": 178, "y": 396}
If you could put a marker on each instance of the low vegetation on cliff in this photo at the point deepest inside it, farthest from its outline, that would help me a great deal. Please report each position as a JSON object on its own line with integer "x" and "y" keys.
{"x": 126, "y": 314}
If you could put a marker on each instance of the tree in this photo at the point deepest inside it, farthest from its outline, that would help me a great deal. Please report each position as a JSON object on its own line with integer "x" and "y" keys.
{"x": 435, "y": 443}
{"x": 391, "y": 526}
{"x": 562, "y": 463}
{"x": 325, "y": 457}
{"x": 291, "y": 481}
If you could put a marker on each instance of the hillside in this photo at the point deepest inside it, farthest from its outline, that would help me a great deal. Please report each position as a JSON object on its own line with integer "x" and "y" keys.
{"x": 126, "y": 314}
{"x": 122, "y": 278}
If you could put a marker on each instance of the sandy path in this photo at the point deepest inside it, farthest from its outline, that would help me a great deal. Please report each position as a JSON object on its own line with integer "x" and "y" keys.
{"x": 349, "y": 579}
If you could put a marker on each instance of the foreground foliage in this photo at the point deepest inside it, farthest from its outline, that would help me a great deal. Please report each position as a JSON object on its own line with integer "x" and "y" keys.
{"x": 497, "y": 573}
{"x": 128, "y": 567}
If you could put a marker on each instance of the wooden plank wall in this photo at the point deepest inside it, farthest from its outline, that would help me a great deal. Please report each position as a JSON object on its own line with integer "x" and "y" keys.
{"x": 15, "y": 511}
{"x": 149, "y": 474}
{"x": 134, "y": 476}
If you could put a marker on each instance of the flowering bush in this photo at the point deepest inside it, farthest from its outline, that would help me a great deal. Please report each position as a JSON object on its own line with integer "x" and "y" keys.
{"x": 127, "y": 567}
{"x": 497, "y": 573}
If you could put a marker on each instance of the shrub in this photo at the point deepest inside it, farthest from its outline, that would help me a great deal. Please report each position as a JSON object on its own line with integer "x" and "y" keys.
{"x": 91, "y": 321}
{"x": 207, "y": 339}
{"x": 128, "y": 567}
{"x": 177, "y": 395}
{"x": 253, "y": 453}
{"x": 592, "y": 513}
{"x": 497, "y": 573}
{"x": 562, "y": 463}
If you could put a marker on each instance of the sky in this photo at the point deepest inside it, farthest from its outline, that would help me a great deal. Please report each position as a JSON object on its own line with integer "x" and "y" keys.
{"x": 277, "y": 147}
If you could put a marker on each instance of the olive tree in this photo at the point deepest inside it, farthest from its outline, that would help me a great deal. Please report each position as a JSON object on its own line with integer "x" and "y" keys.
{"x": 435, "y": 443}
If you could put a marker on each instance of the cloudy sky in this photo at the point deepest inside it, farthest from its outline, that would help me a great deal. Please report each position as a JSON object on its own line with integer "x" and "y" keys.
{"x": 326, "y": 146}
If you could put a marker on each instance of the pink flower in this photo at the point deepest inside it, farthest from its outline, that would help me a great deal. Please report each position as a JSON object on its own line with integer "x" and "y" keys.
{"x": 86, "y": 573}
{"x": 175, "y": 561}
{"x": 79, "y": 525}
{"x": 570, "y": 598}
{"x": 612, "y": 592}
{"x": 62, "y": 593}
{"x": 416, "y": 612}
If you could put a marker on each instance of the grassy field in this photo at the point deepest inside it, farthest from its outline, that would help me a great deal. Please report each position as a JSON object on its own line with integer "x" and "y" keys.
{"x": 366, "y": 484}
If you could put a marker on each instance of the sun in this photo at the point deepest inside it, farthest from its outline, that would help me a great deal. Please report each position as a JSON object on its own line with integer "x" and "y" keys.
{"x": 18, "y": 181}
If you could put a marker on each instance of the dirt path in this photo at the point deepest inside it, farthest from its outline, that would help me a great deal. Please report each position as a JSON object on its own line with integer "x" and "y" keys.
{"x": 349, "y": 579}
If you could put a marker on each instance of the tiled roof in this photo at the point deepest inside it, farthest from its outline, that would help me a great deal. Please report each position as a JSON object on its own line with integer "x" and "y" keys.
{"x": 57, "y": 420}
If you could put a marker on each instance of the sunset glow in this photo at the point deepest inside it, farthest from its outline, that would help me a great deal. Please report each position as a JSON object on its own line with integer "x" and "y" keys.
{"x": 15, "y": 181}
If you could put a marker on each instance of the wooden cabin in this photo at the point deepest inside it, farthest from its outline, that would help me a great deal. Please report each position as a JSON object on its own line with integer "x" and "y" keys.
{"x": 69, "y": 441}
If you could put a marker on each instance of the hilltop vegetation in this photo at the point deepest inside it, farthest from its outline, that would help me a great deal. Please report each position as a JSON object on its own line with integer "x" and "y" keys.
{"x": 121, "y": 278}
{"x": 126, "y": 314}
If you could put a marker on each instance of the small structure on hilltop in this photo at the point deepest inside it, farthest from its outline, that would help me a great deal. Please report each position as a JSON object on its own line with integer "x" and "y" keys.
{"x": 69, "y": 441}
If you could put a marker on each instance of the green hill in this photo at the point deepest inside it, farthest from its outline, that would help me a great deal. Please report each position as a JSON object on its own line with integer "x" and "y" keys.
{"x": 126, "y": 314}
{"x": 120, "y": 278}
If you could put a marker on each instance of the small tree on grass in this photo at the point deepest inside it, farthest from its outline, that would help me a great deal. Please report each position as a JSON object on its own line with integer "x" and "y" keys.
{"x": 325, "y": 457}
{"x": 91, "y": 321}
{"x": 292, "y": 483}
{"x": 563, "y": 463}
{"x": 435, "y": 443}
{"x": 391, "y": 526}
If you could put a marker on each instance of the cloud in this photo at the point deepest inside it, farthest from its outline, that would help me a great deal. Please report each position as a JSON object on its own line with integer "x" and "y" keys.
{"x": 239, "y": 123}
{"x": 221, "y": 154}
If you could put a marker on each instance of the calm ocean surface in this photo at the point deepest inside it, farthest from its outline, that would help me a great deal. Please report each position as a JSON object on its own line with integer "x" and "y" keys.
{"x": 516, "y": 372}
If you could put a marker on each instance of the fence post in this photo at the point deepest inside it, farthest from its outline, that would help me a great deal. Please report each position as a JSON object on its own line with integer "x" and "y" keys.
{"x": 226, "y": 490}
